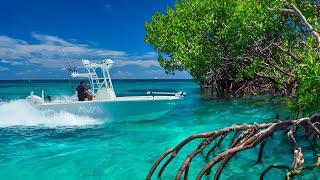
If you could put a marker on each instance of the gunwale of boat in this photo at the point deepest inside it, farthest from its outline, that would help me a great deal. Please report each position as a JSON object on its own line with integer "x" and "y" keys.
{"x": 117, "y": 99}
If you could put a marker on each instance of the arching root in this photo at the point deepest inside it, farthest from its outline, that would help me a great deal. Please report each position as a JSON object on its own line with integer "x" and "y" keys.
{"x": 250, "y": 137}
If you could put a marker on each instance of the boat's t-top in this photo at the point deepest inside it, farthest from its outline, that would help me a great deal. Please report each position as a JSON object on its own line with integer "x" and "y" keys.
{"x": 102, "y": 88}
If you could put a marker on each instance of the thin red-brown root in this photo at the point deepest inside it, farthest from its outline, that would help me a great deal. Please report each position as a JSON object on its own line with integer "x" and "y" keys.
{"x": 286, "y": 167}
{"x": 223, "y": 164}
{"x": 215, "y": 146}
{"x": 297, "y": 151}
{"x": 259, "y": 159}
{"x": 251, "y": 142}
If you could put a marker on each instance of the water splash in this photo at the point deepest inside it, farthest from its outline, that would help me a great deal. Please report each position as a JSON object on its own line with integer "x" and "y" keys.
{"x": 21, "y": 113}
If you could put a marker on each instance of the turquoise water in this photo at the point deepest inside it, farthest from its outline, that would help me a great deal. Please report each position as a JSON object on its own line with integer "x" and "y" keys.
{"x": 35, "y": 145}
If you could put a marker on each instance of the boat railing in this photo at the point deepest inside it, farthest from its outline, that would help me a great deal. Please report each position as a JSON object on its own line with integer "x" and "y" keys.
{"x": 97, "y": 82}
{"x": 177, "y": 94}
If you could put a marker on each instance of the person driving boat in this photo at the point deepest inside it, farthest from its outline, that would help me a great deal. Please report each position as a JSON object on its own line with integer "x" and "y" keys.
{"x": 81, "y": 91}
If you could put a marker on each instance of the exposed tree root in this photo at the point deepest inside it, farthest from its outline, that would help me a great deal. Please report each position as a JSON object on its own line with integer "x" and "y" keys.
{"x": 290, "y": 171}
{"x": 250, "y": 137}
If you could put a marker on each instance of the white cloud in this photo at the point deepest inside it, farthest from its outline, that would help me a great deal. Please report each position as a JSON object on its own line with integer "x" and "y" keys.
{"x": 9, "y": 42}
{"x": 53, "y": 51}
{"x": 123, "y": 74}
{"x": 25, "y": 72}
{"x": 147, "y": 55}
{"x": 51, "y": 40}
{"x": 158, "y": 71}
{"x": 4, "y": 68}
{"x": 11, "y": 62}
{"x": 141, "y": 63}
{"x": 145, "y": 60}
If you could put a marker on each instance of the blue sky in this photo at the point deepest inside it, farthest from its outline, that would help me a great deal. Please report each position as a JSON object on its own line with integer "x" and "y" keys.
{"x": 39, "y": 38}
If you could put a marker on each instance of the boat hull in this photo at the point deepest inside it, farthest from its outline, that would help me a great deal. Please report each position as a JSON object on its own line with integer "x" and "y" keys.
{"x": 120, "y": 109}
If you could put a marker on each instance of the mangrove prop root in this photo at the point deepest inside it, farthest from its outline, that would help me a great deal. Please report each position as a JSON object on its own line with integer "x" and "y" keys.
{"x": 291, "y": 172}
{"x": 250, "y": 136}
{"x": 215, "y": 145}
{"x": 259, "y": 159}
{"x": 274, "y": 166}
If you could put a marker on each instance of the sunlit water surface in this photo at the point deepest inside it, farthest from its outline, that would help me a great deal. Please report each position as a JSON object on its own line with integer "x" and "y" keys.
{"x": 37, "y": 145}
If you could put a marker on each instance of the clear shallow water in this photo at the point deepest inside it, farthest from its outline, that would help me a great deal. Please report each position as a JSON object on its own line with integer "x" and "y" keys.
{"x": 36, "y": 145}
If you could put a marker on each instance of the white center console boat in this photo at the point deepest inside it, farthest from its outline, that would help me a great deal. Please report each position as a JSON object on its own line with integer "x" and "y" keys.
{"x": 105, "y": 104}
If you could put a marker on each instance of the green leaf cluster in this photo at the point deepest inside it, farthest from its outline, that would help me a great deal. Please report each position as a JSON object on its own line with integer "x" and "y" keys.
{"x": 249, "y": 38}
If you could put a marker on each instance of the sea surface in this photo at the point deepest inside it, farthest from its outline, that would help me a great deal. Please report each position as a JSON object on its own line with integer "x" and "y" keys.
{"x": 35, "y": 145}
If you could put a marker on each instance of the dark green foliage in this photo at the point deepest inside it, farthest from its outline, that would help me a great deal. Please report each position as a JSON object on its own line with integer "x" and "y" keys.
{"x": 243, "y": 40}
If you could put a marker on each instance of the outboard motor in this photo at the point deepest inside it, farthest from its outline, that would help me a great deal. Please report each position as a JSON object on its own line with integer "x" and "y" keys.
{"x": 180, "y": 94}
{"x": 34, "y": 99}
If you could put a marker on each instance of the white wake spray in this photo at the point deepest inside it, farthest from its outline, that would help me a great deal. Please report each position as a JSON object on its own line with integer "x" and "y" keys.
{"x": 21, "y": 113}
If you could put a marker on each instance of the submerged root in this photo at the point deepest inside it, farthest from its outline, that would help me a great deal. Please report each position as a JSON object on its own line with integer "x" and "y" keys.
{"x": 250, "y": 137}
